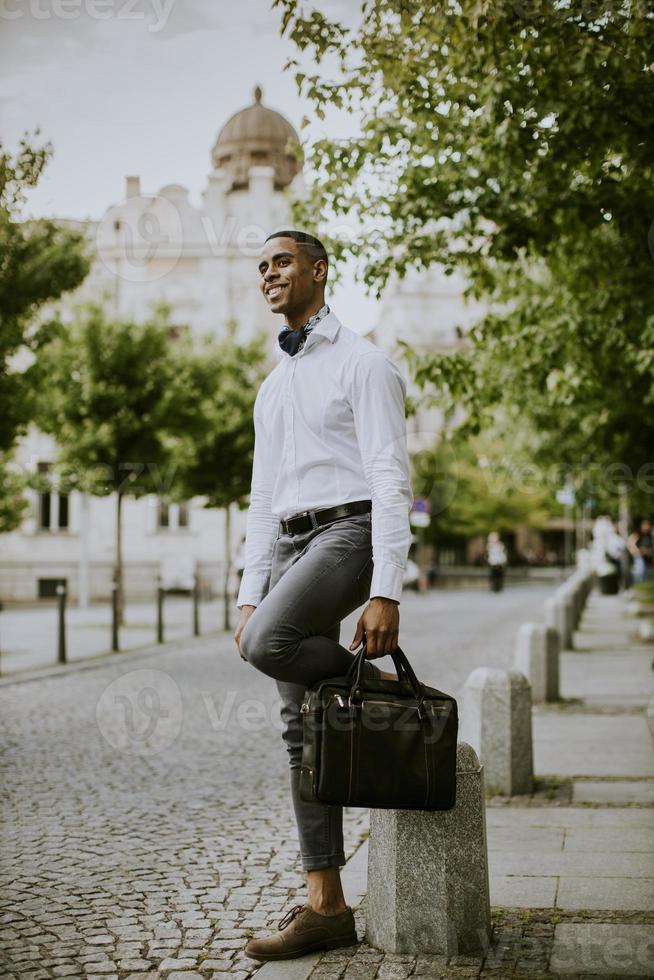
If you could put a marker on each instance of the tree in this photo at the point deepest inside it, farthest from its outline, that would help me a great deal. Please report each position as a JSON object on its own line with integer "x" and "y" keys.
{"x": 39, "y": 261}
{"x": 481, "y": 484}
{"x": 510, "y": 139}
{"x": 224, "y": 376}
{"x": 115, "y": 403}
{"x": 13, "y": 503}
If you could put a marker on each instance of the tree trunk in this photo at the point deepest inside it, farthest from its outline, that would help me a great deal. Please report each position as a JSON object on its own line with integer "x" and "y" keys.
{"x": 118, "y": 574}
{"x": 228, "y": 564}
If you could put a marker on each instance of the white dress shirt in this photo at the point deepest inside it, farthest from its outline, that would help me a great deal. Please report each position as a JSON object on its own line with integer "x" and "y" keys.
{"x": 330, "y": 428}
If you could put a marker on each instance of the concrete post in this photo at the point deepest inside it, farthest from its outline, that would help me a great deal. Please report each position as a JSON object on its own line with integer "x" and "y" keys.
{"x": 496, "y": 721}
{"x": 428, "y": 873}
{"x": 558, "y": 615}
{"x": 537, "y": 657}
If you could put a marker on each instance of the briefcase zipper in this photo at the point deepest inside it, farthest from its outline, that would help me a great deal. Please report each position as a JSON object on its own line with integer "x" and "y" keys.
{"x": 435, "y": 708}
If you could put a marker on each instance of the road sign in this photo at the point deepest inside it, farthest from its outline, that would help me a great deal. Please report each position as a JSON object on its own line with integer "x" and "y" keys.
{"x": 419, "y": 519}
{"x": 421, "y": 505}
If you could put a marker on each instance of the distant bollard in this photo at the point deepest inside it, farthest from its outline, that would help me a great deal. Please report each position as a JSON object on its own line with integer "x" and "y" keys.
{"x": 61, "y": 632}
{"x": 160, "y": 620}
{"x": 537, "y": 657}
{"x": 558, "y": 615}
{"x": 115, "y": 645}
{"x": 496, "y": 721}
{"x": 196, "y": 605}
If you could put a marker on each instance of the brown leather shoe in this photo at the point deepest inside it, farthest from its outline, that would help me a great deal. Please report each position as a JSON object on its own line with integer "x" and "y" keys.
{"x": 304, "y": 930}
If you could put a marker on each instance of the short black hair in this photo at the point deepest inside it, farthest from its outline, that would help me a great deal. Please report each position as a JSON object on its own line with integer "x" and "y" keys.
{"x": 312, "y": 245}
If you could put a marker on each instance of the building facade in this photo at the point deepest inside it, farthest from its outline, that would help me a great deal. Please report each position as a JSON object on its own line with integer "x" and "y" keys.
{"x": 153, "y": 248}
{"x": 201, "y": 260}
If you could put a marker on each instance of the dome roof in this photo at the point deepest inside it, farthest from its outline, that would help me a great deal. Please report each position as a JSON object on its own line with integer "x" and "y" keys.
{"x": 257, "y": 136}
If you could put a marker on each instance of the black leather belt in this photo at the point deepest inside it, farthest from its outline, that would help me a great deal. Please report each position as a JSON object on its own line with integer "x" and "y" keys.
{"x": 309, "y": 519}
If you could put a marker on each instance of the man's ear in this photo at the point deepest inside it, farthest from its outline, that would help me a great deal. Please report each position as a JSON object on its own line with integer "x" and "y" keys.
{"x": 320, "y": 270}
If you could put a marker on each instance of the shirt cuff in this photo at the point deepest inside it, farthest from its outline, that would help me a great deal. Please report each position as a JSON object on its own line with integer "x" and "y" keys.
{"x": 254, "y": 587}
{"x": 387, "y": 580}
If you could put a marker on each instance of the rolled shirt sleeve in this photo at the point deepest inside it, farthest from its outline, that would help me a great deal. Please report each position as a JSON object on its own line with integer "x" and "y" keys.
{"x": 378, "y": 397}
{"x": 261, "y": 526}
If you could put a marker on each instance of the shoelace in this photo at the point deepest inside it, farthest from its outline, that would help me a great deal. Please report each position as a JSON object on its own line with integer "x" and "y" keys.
{"x": 290, "y": 915}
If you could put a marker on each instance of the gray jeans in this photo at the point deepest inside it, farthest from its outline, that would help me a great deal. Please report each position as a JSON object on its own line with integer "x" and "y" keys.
{"x": 317, "y": 578}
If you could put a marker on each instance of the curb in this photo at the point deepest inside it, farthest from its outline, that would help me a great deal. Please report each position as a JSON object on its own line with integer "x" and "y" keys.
{"x": 354, "y": 877}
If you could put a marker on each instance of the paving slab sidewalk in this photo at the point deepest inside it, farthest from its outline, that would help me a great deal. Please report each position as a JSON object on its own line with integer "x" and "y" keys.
{"x": 571, "y": 872}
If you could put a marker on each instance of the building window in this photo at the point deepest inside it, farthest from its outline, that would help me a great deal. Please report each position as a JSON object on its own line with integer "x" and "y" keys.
{"x": 163, "y": 514}
{"x": 52, "y": 505}
{"x": 172, "y": 516}
{"x": 63, "y": 511}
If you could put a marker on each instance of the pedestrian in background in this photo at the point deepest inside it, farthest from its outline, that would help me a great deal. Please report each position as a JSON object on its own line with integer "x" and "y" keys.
{"x": 497, "y": 558}
{"x": 641, "y": 548}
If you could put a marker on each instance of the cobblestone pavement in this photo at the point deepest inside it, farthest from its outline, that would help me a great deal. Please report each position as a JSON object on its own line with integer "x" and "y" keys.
{"x": 147, "y": 822}
{"x": 520, "y": 948}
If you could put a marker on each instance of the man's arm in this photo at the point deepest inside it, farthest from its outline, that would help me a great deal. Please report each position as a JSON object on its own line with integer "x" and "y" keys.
{"x": 261, "y": 525}
{"x": 378, "y": 393}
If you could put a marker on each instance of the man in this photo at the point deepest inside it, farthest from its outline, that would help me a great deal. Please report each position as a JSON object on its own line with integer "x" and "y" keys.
{"x": 327, "y": 528}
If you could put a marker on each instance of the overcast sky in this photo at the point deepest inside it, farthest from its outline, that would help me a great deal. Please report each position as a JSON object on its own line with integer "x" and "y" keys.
{"x": 143, "y": 87}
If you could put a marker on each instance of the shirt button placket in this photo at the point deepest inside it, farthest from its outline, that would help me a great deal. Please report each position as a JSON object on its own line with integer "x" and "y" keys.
{"x": 291, "y": 441}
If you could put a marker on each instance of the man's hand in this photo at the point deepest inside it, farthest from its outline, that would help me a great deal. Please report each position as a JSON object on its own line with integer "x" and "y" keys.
{"x": 380, "y": 622}
{"x": 246, "y": 612}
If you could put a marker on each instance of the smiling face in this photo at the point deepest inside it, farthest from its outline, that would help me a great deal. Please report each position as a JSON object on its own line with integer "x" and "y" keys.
{"x": 291, "y": 282}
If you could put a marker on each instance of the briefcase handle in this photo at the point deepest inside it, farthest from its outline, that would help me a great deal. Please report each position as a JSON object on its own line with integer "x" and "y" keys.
{"x": 405, "y": 674}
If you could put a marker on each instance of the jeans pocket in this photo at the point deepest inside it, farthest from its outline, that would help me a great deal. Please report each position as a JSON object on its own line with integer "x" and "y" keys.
{"x": 364, "y": 580}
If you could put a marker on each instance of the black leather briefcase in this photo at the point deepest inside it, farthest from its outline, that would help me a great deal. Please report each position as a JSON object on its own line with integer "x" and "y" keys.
{"x": 379, "y": 743}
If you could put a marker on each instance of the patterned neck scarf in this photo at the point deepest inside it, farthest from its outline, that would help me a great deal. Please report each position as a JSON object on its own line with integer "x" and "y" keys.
{"x": 293, "y": 340}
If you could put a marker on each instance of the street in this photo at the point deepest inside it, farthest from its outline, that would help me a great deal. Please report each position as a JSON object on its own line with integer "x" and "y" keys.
{"x": 147, "y": 822}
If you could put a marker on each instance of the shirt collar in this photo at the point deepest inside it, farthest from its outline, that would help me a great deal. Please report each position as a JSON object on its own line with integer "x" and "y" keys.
{"x": 327, "y": 326}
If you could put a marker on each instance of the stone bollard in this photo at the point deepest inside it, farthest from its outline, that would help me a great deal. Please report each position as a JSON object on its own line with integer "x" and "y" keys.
{"x": 496, "y": 721}
{"x": 649, "y": 712}
{"x": 572, "y": 596}
{"x": 571, "y": 591}
{"x": 537, "y": 657}
{"x": 558, "y": 615}
{"x": 428, "y": 873}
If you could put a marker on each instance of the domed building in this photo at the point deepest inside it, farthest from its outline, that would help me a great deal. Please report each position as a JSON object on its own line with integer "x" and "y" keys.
{"x": 257, "y": 137}
{"x": 201, "y": 259}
